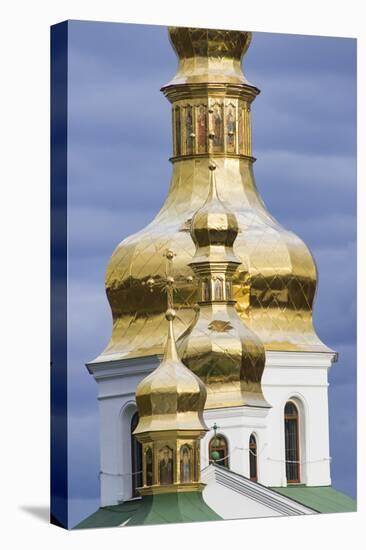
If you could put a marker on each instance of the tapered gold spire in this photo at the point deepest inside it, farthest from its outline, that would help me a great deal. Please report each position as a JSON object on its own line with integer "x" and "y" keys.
{"x": 170, "y": 353}
{"x": 227, "y": 356}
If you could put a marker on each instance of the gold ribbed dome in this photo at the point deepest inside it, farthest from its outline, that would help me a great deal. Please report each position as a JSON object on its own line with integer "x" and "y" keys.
{"x": 214, "y": 225}
{"x": 171, "y": 397}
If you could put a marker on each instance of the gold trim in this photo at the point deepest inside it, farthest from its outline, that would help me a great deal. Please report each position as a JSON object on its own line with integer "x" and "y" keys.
{"x": 213, "y": 155}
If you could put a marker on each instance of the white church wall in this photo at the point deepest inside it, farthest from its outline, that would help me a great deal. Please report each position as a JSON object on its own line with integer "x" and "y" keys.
{"x": 298, "y": 376}
{"x": 302, "y": 378}
{"x": 236, "y": 424}
{"x": 117, "y": 382}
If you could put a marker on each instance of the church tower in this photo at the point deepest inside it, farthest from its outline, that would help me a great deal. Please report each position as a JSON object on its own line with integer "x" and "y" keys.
{"x": 267, "y": 405}
{"x": 170, "y": 403}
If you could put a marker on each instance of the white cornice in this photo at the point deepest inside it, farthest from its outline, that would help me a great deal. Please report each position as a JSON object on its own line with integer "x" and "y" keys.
{"x": 290, "y": 359}
{"x": 123, "y": 367}
{"x": 299, "y": 384}
{"x": 235, "y": 412}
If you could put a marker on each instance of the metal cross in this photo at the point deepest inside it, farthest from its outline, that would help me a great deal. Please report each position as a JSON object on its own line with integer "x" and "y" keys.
{"x": 215, "y": 427}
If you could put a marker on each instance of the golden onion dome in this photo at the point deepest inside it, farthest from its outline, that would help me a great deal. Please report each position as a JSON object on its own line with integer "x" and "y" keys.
{"x": 171, "y": 397}
{"x": 214, "y": 224}
{"x": 227, "y": 356}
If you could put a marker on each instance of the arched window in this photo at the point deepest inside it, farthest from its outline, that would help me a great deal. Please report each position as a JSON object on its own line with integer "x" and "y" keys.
{"x": 136, "y": 458}
{"x": 218, "y": 450}
{"x": 292, "y": 445}
{"x": 253, "y": 468}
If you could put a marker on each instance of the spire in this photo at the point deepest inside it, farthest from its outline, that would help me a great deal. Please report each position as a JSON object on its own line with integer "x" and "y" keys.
{"x": 170, "y": 353}
{"x": 212, "y": 194}
{"x": 220, "y": 348}
{"x": 170, "y": 404}
{"x": 214, "y": 229}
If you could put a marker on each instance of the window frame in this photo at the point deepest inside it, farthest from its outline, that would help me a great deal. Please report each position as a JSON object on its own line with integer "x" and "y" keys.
{"x": 296, "y": 418}
{"x": 224, "y": 463}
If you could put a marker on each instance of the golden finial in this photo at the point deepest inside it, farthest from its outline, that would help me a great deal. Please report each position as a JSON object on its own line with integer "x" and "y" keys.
{"x": 170, "y": 353}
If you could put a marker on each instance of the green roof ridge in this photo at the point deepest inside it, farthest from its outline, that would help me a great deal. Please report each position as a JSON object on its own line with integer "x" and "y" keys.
{"x": 324, "y": 499}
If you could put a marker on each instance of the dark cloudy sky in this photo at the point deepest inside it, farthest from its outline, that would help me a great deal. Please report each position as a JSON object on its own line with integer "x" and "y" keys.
{"x": 304, "y": 137}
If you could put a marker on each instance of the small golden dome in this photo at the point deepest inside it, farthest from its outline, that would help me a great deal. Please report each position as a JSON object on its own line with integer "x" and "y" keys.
{"x": 171, "y": 397}
{"x": 214, "y": 225}
{"x": 227, "y": 356}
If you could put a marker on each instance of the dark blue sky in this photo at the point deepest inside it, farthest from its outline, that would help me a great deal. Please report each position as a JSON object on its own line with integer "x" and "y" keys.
{"x": 304, "y": 137}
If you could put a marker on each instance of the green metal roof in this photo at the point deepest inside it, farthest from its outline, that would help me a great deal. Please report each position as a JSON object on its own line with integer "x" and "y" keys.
{"x": 173, "y": 508}
{"x": 153, "y": 510}
{"x": 190, "y": 507}
{"x": 321, "y": 499}
{"x": 110, "y": 516}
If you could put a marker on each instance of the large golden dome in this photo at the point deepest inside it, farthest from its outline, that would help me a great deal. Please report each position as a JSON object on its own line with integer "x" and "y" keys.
{"x": 275, "y": 284}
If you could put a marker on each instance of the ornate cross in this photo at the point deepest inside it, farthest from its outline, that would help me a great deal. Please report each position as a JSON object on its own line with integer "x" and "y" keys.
{"x": 168, "y": 283}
